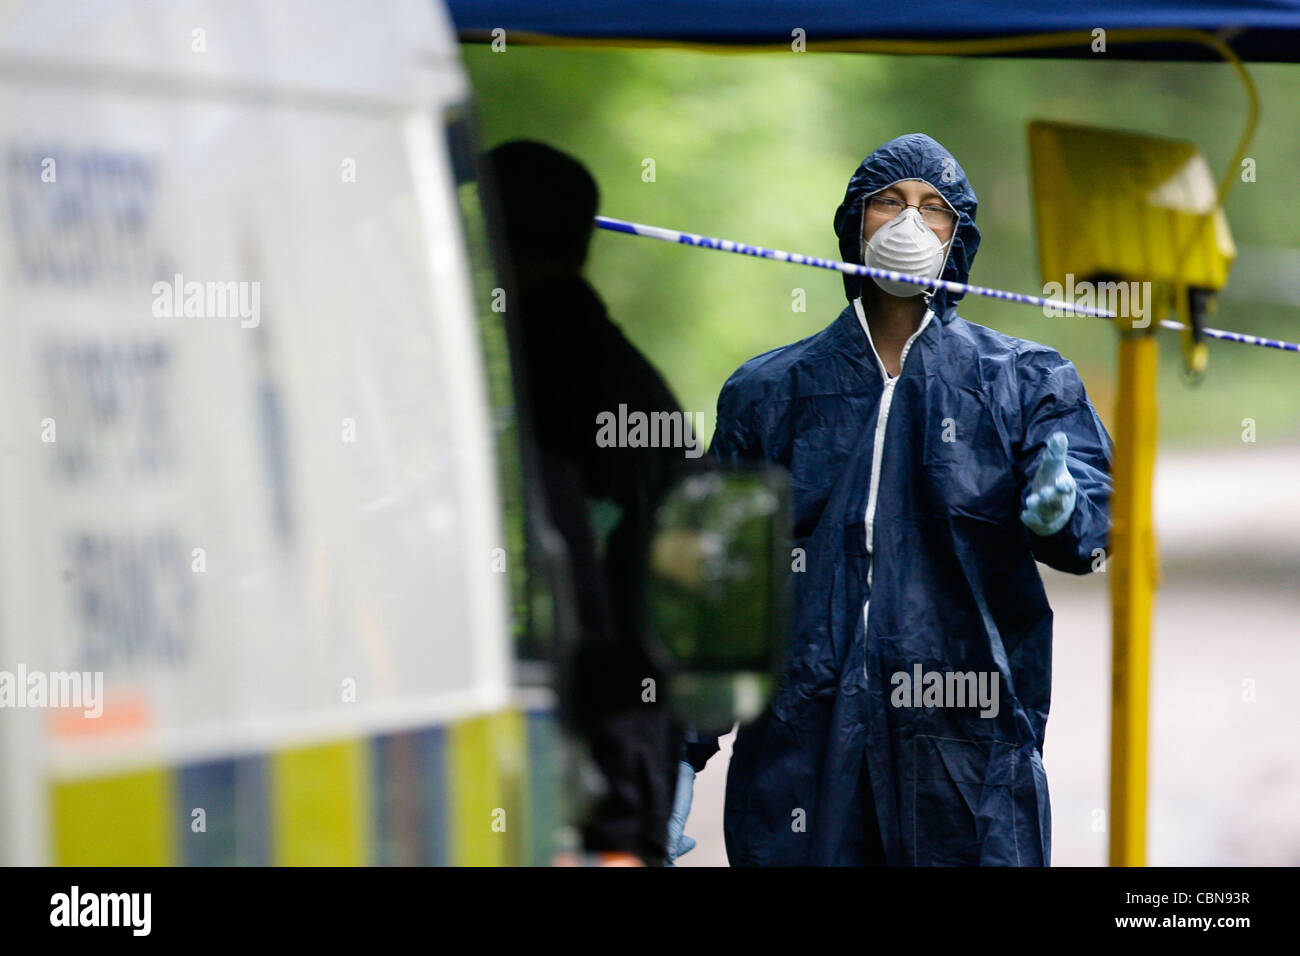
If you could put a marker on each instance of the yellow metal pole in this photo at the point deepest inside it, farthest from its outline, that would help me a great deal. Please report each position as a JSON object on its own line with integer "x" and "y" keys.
{"x": 1133, "y": 580}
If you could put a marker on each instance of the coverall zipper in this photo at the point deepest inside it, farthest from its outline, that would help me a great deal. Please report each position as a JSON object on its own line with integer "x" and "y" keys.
{"x": 882, "y": 420}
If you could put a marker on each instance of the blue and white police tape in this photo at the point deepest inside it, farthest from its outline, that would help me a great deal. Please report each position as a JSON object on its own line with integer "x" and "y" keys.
{"x": 777, "y": 255}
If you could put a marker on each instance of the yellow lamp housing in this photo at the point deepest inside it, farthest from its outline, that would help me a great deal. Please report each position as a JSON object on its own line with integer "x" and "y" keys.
{"x": 1127, "y": 206}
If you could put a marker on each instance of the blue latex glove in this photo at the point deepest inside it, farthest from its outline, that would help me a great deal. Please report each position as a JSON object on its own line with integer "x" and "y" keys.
{"x": 1052, "y": 494}
{"x": 678, "y": 841}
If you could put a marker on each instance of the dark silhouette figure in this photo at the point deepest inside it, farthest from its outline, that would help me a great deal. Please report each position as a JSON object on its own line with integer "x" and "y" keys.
{"x": 577, "y": 365}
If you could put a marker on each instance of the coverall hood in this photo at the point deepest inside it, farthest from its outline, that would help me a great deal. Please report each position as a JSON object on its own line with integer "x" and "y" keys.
{"x": 913, "y": 156}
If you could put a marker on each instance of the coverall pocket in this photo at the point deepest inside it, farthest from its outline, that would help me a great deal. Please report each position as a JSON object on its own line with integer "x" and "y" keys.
{"x": 951, "y": 792}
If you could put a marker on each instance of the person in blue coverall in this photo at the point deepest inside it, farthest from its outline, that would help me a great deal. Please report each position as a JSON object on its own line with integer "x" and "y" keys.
{"x": 933, "y": 462}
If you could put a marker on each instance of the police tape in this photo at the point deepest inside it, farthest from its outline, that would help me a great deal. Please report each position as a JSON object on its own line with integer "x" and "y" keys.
{"x": 778, "y": 255}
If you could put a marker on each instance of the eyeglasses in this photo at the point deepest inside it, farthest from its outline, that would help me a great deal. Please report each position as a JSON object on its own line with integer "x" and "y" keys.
{"x": 934, "y": 216}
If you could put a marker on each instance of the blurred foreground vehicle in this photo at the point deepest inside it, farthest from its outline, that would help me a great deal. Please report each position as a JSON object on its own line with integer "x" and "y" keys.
{"x": 275, "y": 583}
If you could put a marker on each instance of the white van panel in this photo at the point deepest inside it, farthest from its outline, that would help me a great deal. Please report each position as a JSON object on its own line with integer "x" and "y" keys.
{"x": 263, "y": 526}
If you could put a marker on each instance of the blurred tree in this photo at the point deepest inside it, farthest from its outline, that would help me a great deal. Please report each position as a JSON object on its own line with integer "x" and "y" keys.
{"x": 759, "y": 147}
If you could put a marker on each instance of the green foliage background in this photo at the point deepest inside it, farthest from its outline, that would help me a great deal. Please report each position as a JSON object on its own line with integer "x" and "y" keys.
{"x": 758, "y": 147}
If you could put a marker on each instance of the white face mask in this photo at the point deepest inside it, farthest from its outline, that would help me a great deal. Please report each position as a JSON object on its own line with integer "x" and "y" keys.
{"x": 906, "y": 244}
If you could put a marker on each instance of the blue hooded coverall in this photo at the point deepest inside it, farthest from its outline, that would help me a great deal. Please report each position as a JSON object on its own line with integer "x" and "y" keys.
{"x": 907, "y": 496}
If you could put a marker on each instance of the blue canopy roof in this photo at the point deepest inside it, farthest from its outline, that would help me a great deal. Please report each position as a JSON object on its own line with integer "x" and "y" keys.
{"x": 1266, "y": 30}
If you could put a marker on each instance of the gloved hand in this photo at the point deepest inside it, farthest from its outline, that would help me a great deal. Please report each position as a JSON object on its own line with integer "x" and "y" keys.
{"x": 1052, "y": 494}
{"x": 678, "y": 841}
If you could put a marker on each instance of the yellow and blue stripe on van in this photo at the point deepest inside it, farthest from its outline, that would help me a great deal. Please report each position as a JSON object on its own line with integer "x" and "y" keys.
{"x": 482, "y": 791}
